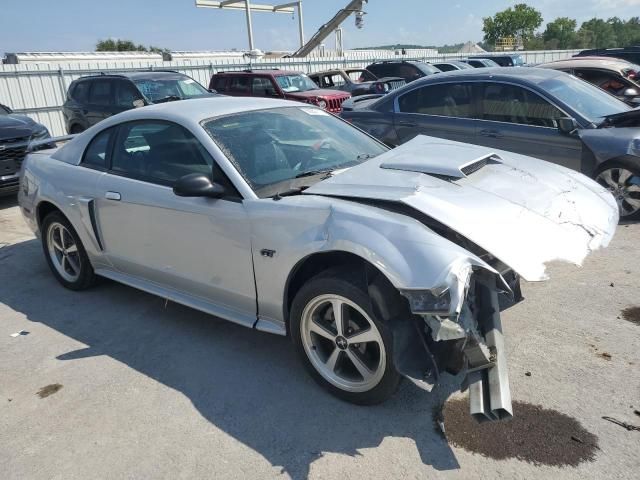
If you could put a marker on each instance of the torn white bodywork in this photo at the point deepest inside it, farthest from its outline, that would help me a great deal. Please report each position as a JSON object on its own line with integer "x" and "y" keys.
{"x": 524, "y": 211}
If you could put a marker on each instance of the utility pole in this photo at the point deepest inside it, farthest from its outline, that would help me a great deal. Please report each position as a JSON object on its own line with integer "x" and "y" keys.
{"x": 249, "y": 7}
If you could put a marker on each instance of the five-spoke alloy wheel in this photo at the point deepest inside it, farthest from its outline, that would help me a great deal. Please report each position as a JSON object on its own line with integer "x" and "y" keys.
{"x": 343, "y": 344}
{"x": 65, "y": 253}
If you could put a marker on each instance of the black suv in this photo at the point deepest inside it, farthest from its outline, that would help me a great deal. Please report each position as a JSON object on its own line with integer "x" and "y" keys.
{"x": 410, "y": 70}
{"x": 630, "y": 54}
{"x": 16, "y": 131}
{"x": 94, "y": 98}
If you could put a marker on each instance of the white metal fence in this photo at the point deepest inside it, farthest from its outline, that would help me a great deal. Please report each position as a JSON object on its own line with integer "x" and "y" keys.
{"x": 39, "y": 90}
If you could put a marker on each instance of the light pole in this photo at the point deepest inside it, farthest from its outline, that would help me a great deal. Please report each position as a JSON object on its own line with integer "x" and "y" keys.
{"x": 249, "y": 7}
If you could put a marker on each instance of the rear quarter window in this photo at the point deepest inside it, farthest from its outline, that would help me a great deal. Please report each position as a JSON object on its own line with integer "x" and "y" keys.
{"x": 95, "y": 156}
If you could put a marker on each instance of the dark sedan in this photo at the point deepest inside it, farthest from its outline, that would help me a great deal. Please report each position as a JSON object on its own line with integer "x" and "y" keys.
{"x": 543, "y": 113}
{"x": 16, "y": 131}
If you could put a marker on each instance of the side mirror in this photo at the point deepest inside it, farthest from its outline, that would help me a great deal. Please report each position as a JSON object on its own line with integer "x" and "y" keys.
{"x": 212, "y": 90}
{"x": 197, "y": 185}
{"x": 567, "y": 125}
{"x": 630, "y": 93}
{"x": 138, "y": 103}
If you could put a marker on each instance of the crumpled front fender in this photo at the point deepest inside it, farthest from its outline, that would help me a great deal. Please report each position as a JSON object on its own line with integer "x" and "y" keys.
{"x": 410, "y": 255}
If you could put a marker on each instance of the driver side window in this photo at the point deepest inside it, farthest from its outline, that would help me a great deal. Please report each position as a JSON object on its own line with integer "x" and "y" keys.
{"x": 502, "y": 102}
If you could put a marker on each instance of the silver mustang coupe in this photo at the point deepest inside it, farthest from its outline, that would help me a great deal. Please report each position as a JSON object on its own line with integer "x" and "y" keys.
{"x": 379, "y": 264}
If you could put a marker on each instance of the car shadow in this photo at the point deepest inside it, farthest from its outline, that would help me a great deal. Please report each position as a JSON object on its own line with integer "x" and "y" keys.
{"x": 8, "y": 201}
{"x": 249, "y": 384}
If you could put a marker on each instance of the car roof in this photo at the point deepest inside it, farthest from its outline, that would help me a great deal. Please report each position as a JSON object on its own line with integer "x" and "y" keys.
{"x": 198, "y": 109}
{"x": 499, "y": 55}
{"x": 589, "y": 62}
{"x": 275, "y": 72}
{"x": 150, "y": 75}
{"x": 529, "y": 75}
{"x": 380, "y": 62}
{"x": 326, "y": 72}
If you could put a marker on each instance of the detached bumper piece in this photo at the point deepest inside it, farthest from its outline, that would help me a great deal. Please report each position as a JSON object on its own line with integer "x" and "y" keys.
{"x": 488, "y": 376}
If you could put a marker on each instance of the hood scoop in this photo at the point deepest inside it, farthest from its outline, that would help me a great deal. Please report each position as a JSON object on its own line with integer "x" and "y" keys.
{"x": 438, "y": 159}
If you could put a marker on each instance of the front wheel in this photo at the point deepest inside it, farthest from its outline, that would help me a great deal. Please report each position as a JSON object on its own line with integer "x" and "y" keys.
{"x": 622, "y": 179}
{"x": 344, "y": 346}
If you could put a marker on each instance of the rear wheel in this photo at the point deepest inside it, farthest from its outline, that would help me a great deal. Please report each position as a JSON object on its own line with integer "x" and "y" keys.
{"x": 65, "y": 253}
{"x": 345, "y": 347}
{"x": 76, "y": 129}
{"x": 622, "y": 179}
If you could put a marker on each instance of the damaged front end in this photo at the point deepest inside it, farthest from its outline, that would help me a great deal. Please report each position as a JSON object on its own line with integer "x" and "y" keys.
{"x": 458, "y": 327}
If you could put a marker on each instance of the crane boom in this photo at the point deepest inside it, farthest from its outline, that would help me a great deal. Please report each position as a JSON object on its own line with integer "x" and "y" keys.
{"x": 325, "y": 30}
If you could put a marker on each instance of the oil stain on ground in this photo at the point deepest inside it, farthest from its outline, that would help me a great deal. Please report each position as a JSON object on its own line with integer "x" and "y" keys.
{"x": 534, "y": 434}
{"x": 632, "y": 314}
{"x": 49, "y": 390}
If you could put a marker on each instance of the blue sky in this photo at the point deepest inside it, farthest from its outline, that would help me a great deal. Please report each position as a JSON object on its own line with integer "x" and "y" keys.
{"x": 68, "y": 25}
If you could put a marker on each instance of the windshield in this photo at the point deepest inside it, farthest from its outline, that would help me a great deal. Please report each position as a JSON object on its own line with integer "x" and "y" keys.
{"x": 590, "y": 101}
{"x": 173, "y": 87}
{"x": 295, "y": 83}
{"x": 517, "y": 60}
{"x": 279, "y": 149}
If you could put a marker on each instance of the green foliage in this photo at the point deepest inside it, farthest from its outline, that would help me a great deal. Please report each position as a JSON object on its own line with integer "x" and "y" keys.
{"x": 596, "y": 33}
{"x": 519, "y": 21}
{"x": 117, "y": 45}
{"x": 562, "y": 33}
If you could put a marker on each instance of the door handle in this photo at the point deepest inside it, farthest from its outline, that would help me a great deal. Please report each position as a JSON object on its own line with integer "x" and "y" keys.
{"x": 408, "y": 124}
{"x": 490, "y": 134}
{"x": 112, "y": 196}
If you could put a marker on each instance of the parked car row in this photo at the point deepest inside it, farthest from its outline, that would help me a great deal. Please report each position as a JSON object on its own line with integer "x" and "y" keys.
{"x": 94, "y": 98}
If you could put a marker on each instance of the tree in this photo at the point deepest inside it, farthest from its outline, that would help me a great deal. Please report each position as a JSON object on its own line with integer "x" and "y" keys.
{"x": 561, "y": 33}
{"x": 519, "y": 21}
{"x": 117, "y": 45}
{"x": 596, "y": 33}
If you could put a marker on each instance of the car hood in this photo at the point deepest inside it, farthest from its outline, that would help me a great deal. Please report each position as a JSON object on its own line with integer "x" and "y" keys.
{"x": 524, "y": 211}
{"x": 15, "y": 126}
{"x": 630, "y": 118}
{"x": 318, "y": 92}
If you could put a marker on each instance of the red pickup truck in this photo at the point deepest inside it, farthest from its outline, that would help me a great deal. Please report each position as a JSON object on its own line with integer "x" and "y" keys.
{"x": 277, "y": 84}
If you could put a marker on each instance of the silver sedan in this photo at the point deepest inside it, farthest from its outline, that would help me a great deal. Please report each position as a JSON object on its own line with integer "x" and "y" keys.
{"x": 379, "y": 264}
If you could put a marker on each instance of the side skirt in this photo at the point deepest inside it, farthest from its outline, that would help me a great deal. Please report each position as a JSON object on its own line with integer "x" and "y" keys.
{"x": 196, "y": 303}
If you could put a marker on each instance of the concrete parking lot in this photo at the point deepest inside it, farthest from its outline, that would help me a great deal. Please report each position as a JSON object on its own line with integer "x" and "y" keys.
{"x": 113, "y": 383}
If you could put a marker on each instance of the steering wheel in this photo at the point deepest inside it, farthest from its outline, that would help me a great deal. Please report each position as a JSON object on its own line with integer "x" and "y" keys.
{"x": 320, "y": 144}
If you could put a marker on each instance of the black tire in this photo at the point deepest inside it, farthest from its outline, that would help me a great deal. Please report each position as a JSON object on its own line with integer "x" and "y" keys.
{"x": 75, "y": 129}
{"x": 629, "y": 165}
{"x": 342, "y": 282}
{"x": 86, "y": 276}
